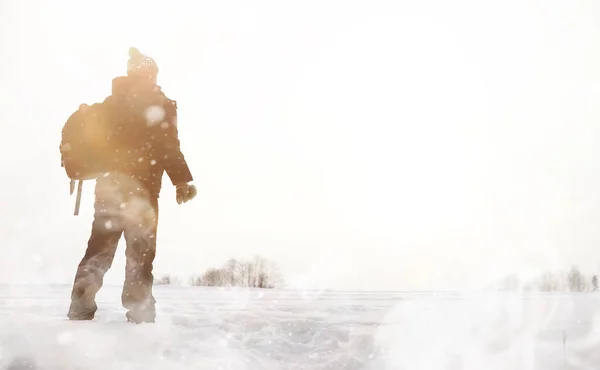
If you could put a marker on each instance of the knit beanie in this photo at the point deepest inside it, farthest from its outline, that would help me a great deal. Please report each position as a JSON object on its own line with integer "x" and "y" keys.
{"x": 141, "y": 65}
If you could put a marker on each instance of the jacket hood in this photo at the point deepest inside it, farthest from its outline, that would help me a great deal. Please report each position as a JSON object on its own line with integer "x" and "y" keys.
{"x": 124, "y": 85}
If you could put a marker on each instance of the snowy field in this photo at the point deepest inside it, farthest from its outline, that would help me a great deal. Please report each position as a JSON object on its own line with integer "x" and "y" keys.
{"x": 201, "y": 328}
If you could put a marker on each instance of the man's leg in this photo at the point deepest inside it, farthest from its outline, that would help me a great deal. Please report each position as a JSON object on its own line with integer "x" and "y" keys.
{"x": 140, "y": 235}
{"x": 96, "y": 262}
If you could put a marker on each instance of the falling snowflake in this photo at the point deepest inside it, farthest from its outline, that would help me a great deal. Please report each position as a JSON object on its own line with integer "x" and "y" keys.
{"x": 154, "y": 115}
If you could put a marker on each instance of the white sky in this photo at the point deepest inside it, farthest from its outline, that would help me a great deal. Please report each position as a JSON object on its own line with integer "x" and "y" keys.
{"x": 360, "y": 145}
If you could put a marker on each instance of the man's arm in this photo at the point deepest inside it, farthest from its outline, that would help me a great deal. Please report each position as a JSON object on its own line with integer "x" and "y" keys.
{"x": 174, "y": 161}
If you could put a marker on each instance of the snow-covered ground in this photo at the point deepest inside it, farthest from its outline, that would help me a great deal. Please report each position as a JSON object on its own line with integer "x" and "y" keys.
{"x": 201, "y": 328}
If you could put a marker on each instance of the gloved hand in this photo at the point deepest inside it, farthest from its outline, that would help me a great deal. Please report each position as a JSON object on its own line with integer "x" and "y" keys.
{"x": 185, "y": 192}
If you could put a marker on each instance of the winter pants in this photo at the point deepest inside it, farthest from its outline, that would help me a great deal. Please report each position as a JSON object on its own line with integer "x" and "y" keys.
{"x": 121, "y": 208}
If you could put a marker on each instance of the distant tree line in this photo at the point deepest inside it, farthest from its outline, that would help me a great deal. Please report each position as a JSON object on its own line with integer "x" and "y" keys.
{"x": 166, "y": 280}
{"x": 253, "y": 273}
{"x": 572, "y": 280}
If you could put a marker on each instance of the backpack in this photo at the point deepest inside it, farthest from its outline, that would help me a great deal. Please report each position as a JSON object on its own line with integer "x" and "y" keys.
{"x": 84, "y": 145}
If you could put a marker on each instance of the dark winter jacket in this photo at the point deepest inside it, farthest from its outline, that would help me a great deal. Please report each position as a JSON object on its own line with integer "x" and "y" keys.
{"x": 143, "y": 134}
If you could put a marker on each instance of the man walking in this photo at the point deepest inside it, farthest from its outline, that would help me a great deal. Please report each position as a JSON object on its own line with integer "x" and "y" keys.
{"x": 141, "y": 144}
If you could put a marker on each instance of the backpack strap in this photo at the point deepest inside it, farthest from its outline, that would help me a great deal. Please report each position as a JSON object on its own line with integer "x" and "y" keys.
{"x": 78, "y": 199}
